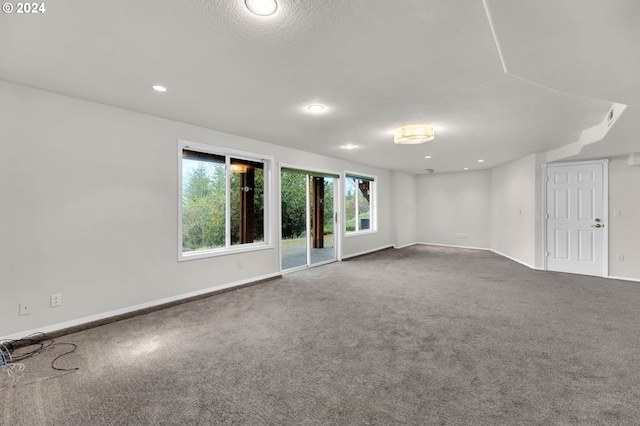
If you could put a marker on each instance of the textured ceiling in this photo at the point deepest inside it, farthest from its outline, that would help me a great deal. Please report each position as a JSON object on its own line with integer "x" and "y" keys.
{"x": 376, "y": 64}
{"x": 585, "y": 47}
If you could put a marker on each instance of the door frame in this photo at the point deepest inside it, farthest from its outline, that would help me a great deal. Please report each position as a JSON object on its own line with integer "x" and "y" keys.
{"x": 605, "y": 208}
{"x": 337, "y": 207}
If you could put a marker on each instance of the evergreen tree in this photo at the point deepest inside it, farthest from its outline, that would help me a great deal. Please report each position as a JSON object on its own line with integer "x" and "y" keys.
{"x": 294, "y": 204}
{"x": 203, "y": 207}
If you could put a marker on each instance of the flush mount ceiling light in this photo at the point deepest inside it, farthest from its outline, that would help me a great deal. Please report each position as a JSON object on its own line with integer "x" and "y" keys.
{"x": 316, "y": 108}
{"x": 349, "y": 146}
{"x": 159, "y": 88}
{"x": 262, "y": 7}
{"x": 410, "y": 135}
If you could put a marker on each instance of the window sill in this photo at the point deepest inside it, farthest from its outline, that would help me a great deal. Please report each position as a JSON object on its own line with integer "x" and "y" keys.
{"x": 350, "y": 234}
{"x": 182, "y": 257}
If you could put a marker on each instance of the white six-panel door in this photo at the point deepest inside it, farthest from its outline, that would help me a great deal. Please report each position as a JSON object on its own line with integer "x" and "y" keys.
{"x": 576, "y": 219}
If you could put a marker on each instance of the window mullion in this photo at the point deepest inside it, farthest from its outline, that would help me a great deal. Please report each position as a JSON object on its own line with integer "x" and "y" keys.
{"x": 308, "y": 225}
{"x": 227, "y": 215}
{"x": 357, "y": 197}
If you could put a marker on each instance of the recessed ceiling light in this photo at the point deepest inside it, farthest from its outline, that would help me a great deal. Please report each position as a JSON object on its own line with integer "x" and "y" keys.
{"x": 262, "y": 7}
{"x": 316, "y": 108}
{"x": 349, "y": 146}
{"x": 466, "y": 168}
{"x": 159, "y": 88}
{"x": 427, "y": 156}
{"x": 480, "y": 161}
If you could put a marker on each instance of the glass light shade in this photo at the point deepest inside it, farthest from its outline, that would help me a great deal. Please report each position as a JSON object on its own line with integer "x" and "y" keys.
{"x": 316, "y": 108}
{"x": 262, "y": 7}
{"x": 415, "y": 134}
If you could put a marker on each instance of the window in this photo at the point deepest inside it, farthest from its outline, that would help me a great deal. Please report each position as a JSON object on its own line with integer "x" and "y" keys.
{"x": 222, "y": 202}
{"x": 359, "y": 203}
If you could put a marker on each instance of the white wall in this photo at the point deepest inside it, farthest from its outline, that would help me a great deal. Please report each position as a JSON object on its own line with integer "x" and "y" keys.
{"x": 515, "y": 205}
{"x": 518, "y": 185}
{"x": 403, "y": 202}
{"x": 501, "y": 209}
{"x": 498, "y": 209}
{"x": 624, "y": 230}
{"x": 90, "y": 209}
{"x": 449, "y": 204}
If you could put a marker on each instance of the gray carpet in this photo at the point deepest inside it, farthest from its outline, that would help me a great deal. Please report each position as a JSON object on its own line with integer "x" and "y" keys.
{"x": 421, "y": 335}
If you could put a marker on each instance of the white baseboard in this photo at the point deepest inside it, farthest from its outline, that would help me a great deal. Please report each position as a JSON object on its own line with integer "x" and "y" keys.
{"x": 483, "y": 248}
{"x": 454, "y": 246}
{"x": 104, "y": 315}
{"x": 406, "y": 245}
{"x": 514, "y": 259}
{"x": 613, "y": 277}
{"x": 366, "y": 252}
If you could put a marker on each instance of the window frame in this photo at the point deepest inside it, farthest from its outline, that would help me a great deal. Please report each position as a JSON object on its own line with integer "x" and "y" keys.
{"x": 373, "y": 204}
{"x": 229, "y": 154}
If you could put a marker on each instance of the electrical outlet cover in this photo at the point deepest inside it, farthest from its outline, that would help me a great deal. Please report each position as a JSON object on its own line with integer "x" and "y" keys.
{"x": 25, "y": 309}
{"x": 56, "y": 300}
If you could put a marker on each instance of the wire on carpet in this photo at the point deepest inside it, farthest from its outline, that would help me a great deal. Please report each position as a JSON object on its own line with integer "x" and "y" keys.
{"x": 11, "y": 357}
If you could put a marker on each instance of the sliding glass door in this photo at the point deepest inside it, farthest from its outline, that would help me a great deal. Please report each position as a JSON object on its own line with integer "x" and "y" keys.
{"x": 308, "y": 218}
